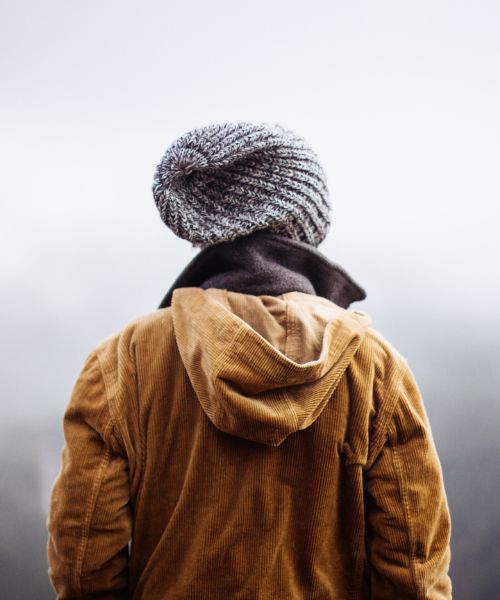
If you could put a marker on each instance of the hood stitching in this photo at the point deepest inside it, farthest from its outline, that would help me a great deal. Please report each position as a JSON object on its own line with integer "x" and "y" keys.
{"x": 217, "y": 367}
{"x": 289, "y": 363}
{"x": 289, "y": 327}
{"x": 241, "y": 338}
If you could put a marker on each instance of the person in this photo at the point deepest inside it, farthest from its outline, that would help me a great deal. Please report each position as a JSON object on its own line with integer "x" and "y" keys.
{"x": 254, "y": 437}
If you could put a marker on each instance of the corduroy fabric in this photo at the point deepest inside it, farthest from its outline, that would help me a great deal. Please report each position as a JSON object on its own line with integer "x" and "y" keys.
{"x": 251, "y": 447}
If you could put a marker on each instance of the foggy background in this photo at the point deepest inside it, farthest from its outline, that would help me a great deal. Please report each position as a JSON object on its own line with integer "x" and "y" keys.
{"x": 399, "y": 99}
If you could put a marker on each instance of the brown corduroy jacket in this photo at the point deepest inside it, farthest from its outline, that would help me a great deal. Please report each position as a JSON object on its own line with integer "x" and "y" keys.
{"x": 248, "y": 447}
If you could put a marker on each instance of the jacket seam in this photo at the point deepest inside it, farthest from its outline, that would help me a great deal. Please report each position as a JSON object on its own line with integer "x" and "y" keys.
{"x": 220, "y": 361}
{"x": 355, "y": 585}
{"x": 381, "y": 431}
{"x": 222, "y": 357}
{"x": 289, "y": 347}
{"x": 113, "y": 409}
{"x": 289, "y": 328}
{"x": 82, "y": 548}
{"x": 407, "y": 512}
{"x": 114, "y": 413}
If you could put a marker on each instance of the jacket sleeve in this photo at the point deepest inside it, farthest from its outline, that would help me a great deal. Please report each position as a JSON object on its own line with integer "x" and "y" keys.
{"x": 407, "y": 517}
{"x": 90, "y": 523}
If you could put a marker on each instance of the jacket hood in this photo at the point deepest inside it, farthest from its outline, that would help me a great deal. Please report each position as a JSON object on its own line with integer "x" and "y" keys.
{"x": 264, "y": 367}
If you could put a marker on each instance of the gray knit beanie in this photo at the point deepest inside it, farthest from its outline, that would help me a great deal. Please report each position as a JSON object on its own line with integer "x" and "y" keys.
{"x": 223, "y": 181}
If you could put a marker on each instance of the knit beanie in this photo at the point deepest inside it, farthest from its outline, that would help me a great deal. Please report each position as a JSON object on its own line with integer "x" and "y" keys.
{"x": 224, "y": 181}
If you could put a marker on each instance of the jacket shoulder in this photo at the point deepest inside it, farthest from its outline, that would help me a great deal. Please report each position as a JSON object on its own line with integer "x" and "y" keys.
{"x": 380, "y": 359}
{"x": 127, "y": 357}
{"x": 381, "y": 348}
{"x": 376, "y": 372}
{"x": 151, "y": 327}
{"x": 123, "y": 354}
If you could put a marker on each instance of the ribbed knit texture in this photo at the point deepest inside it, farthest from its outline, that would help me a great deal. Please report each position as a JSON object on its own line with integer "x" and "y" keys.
{"x": 258, "y": 448}
{"x": 222, "y": 181}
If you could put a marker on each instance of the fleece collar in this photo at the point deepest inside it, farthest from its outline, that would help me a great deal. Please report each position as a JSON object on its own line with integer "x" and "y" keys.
{"x": 267, "y": 263}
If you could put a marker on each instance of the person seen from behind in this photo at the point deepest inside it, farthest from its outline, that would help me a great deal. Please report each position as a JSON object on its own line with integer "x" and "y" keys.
{"x": 254, "y": 437}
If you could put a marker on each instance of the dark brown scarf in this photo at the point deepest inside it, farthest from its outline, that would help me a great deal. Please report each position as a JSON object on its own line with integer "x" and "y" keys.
{"x": 267, "y": 263}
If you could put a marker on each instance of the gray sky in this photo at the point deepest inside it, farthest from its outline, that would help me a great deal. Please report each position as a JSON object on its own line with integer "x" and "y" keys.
{"x": 399, "y": 99}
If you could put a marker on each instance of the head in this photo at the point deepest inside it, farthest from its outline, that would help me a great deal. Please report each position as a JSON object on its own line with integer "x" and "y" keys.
{"x": 224, "y": 181}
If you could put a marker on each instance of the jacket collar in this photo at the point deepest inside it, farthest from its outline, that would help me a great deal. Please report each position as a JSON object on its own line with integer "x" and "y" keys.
{"x": 264, "y": 262}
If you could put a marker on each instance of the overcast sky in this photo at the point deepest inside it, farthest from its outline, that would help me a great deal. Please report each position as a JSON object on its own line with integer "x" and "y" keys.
{"x": 399, "y": 99}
